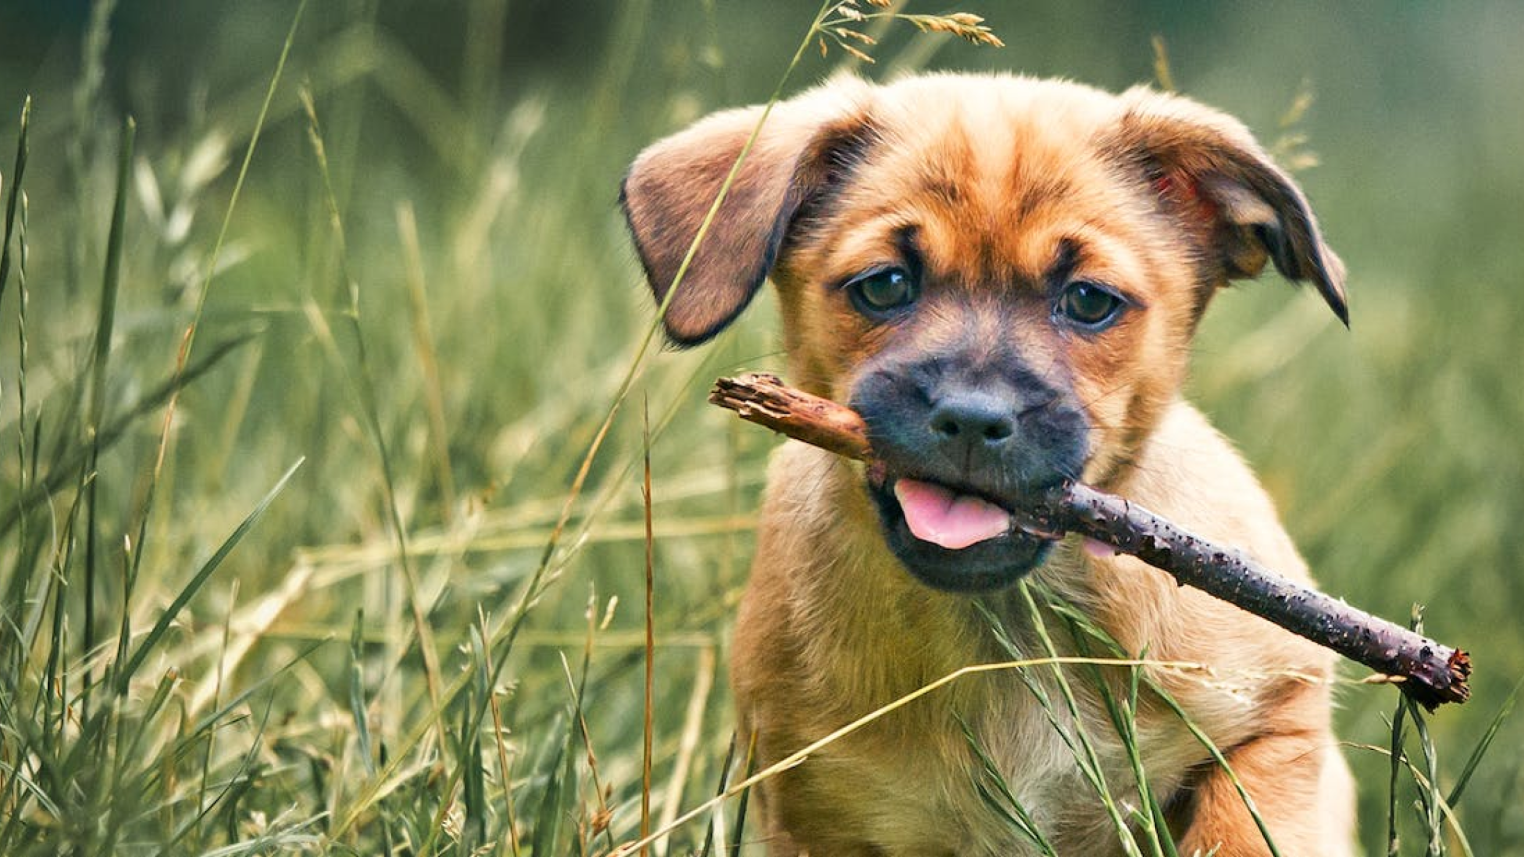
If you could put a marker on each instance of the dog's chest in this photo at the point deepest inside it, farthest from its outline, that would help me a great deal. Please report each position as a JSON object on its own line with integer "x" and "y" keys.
{"x": 964, "y": 768}
{"x": 963, "y": 771}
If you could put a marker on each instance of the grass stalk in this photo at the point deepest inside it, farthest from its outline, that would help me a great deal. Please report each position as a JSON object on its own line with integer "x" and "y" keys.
{"x": 692, "y": 733}
{"x": 83, "y": 140}
{"x": 238, "y": 183}
{"x": 1483, "y": 744}
{"x": 643, "y": 346}
{"x": 363, "y": 380}
{"x": 211, "y": 736}
{"x": 717, "y": 816}
{"x": 750, "y": 768}
{"x": 428, "y": 359}
{"x": 1398, "y": 756}
{"x": 559, "y": 769}
{"x": 1430, "y": 797}
{"x": 1123, "y": 713}
{"x": 1089, "y": 762}
{"x": 110, "y": 285}
{"x": 499, "y": 735}
{"x": 647, "y": 707}
{"x": 602, "y": 815}
{"x": 100, "y": 364}
{"x": 472, "y": 833}
{"x": 188, "y": 338}
{"x": 1422, "y": 781}
{"x": 21, "y": 580}
{"x": 357, "y": 704}
{"x": 167, "y": 618}
{"x": 1079, "y": 620}
{"x": 996, "y": 793}
{"x": 13, "y": 198}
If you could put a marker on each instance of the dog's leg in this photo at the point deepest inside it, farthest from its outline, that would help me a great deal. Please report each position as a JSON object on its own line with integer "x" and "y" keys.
{"x": 1301, "y": 788}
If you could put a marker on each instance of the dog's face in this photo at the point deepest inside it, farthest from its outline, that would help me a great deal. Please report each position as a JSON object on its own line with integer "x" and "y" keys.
{"x": 1001, "y": 275}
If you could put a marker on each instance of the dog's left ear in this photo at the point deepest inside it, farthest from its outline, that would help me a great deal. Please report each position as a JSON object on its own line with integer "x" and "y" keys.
{"x": 1208, "y": 167}
{"x": 805, "y": 146}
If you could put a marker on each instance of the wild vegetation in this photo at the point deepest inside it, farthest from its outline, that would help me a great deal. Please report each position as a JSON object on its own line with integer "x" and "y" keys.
{"x": 332, "y": 404}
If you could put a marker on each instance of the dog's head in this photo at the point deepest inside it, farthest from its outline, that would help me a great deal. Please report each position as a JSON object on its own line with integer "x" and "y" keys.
{"x": 1002, "y": 275}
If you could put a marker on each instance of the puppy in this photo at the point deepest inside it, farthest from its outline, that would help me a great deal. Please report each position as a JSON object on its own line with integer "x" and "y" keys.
{"x": 1002, "y": 275}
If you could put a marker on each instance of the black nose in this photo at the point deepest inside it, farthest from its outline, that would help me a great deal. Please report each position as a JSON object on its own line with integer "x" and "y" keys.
{"x": 971, "y": 419}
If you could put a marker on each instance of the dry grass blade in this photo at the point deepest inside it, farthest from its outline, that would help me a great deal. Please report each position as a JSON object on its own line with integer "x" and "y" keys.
{"x": 692, "y": 733}
{"x": 428, "y": 359}
{"x": 964, "y": 25}
{"x": 1162, "y": 73}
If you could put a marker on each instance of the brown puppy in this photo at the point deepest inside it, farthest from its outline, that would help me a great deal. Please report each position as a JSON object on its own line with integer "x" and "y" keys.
{"x": 1003, "y": 276}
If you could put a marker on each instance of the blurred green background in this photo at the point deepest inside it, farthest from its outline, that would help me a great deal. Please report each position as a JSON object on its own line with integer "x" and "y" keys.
{"x": 501, "y": 128}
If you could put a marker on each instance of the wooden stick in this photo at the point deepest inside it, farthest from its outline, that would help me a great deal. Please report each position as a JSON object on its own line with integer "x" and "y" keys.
{"x": 1428, "y": 672}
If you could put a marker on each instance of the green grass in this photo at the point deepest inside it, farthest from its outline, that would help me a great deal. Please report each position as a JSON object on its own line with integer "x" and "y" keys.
{"x": 306, "y": 352}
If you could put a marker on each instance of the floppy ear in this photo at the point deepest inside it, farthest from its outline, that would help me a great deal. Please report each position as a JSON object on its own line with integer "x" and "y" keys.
{"x": 804, "y": 146}
{"x": 1207, "y": 167}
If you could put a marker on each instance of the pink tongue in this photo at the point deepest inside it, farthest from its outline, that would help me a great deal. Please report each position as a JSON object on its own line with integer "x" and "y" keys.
{"x": 946, "y": 518}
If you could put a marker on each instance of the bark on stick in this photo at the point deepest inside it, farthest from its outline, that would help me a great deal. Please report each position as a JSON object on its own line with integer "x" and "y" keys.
{"x": 1428, "y": 672}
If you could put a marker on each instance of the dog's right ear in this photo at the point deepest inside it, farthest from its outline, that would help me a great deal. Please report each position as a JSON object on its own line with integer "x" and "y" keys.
{"x": 804, "y": 146}
{"x": 1207, "y": 165}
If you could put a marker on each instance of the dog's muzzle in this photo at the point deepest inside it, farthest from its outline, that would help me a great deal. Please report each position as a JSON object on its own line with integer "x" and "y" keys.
{"x": 959, "y": 449}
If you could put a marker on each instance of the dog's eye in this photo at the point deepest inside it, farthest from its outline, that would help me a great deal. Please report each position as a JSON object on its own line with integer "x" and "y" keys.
{"x": 883, "y": 290}
{"x": 1090, "y": 306}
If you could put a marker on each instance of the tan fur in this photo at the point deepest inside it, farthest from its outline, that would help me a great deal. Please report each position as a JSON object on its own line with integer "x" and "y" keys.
{"x": 1166, "y": 199}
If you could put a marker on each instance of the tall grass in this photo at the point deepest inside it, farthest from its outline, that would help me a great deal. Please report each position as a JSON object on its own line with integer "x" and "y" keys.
{"x": 354, "y": 580}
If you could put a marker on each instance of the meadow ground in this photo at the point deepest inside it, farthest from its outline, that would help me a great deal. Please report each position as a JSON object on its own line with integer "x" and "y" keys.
{"x": 330, "y": 609}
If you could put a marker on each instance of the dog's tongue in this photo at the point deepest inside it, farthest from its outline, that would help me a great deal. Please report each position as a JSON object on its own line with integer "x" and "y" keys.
{"x": 946, "y": 518}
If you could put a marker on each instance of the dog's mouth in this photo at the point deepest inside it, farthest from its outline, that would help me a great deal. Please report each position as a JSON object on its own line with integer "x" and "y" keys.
{"x": 949, "y": 519}
{"x": 952, "y": 538}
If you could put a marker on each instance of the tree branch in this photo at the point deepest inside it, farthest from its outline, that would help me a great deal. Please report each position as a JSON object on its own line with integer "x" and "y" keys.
{"x": 1428, "y": 672}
